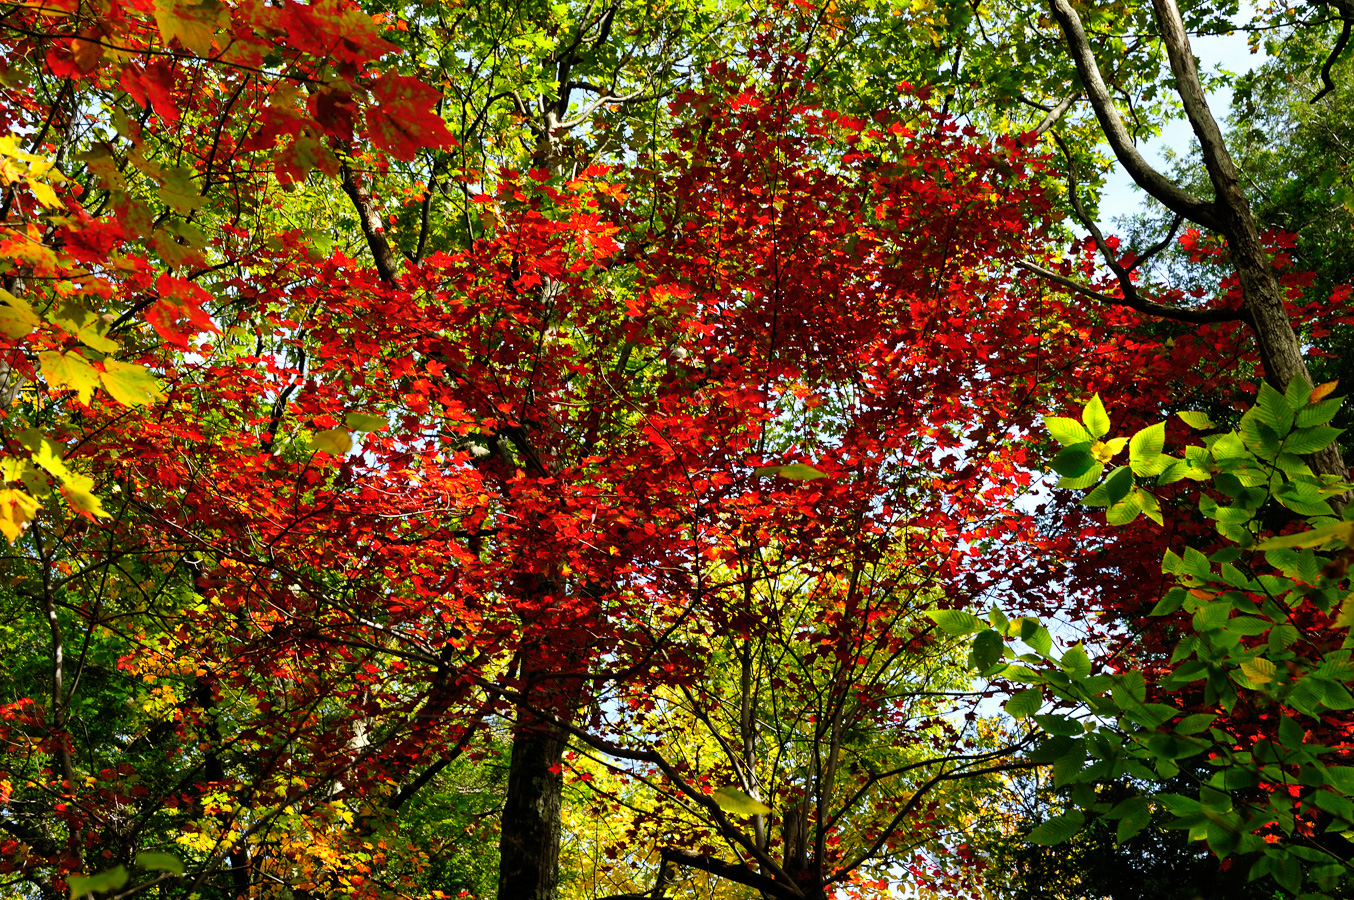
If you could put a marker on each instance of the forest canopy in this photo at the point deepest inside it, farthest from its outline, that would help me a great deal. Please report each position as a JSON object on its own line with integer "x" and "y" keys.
{"x": 615, "y": 450}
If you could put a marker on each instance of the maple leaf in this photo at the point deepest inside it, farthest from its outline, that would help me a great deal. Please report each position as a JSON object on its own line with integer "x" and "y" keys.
{"x": 180, "y": 301}
{"x": 404, "y": 119}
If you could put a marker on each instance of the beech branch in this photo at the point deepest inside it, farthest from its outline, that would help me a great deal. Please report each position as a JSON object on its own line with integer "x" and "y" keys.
{"x": 1136, "y": 302}
{"x": 1149, "y": 179}
{"x": 1346, "y": 20}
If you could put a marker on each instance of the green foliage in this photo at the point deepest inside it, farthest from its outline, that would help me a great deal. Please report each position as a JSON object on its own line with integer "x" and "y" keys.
{"x": 1254, "y": 639}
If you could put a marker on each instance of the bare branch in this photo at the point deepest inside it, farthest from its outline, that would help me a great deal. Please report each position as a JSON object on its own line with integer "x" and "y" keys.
{"x": 1149, "y": 179}
{"x": 1346, "y": 21}
{"x": 1146, "y": 307}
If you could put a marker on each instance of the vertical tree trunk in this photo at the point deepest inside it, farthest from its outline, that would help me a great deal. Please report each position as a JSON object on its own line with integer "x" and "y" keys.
{"x": 529, "y": 844}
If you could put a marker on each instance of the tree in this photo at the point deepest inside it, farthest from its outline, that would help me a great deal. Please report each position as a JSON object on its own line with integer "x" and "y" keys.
{"x": 547, "y": 422}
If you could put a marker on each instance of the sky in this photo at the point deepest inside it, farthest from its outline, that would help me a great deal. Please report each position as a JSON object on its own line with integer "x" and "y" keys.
{"x": 1121, "y": 198}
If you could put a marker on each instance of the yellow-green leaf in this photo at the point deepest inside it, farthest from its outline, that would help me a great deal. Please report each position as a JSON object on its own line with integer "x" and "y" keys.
{"x": 1259, "y": 671}
{"x": 128, "y": 384}
{"x": 69, "y": 370}
{"x": 1340, "y": 531}
{"x": 17, "y": 318}
{"x": 794, "y": 472}
{"x": 161, "y": 862}
{"x": 731, "y": 799}
{"x": 336, "y": 440}
{"x": 1096, "y": 419}
{"x": 79, "y": 493}
{"x": 359, "y": 421}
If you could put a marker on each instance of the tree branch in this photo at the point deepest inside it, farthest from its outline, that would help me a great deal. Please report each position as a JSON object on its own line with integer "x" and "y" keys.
{"x": 1146, "y": 307}
{"x": 370, "y": 221}
{"x": 1346, "y": 17}
{"x": 1149, "y": 179}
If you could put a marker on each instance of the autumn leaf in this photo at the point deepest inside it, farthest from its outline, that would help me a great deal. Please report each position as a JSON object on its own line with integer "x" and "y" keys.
{"x": 733, "y": 800}
{"x": 403, "y": 120}
{"x": 130, "y": 385}
{"x": 338, "y": 441}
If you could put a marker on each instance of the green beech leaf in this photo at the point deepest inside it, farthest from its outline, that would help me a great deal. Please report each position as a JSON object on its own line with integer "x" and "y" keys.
{"x": 1066, "y": 431}
{"x": 1074, "y": 461}
{"x": 1144, "y": 451}
{"x": 1076, "y": 663}
{"x": 1025, "y": 703}
{"x": 101, "y": 883}
{"x": 1096, "y": 419}
{"x": 955, "y": 621}
{"x": 732, "y": 800}
{"x": 1195, "y": 419}
{"x": 1059, "y": 828}
{"x": 986, "y": 650}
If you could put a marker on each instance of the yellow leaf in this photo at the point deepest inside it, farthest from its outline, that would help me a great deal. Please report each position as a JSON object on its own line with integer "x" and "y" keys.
{"x": 128, "y": 384}
{"x": 17, "y": 318}
{"x": 17, "y": 509}
{"x": 43, "y": 192}
{"x": 79, "y": 493}
{"x": 1323, "y": 391}
{"x": 70, "y": 370}
{"x": 192, "y": 24}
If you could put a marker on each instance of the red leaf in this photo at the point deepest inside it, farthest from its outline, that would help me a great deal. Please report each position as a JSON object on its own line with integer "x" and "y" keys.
{"x": 180, "y": 302}
{"x": 404, "y": 121}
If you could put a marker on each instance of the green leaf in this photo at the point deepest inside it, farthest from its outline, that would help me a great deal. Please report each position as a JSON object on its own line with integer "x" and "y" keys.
{"x": 1076, "y": 663}
{"x": 733, "y": 800}
{"x": 1195, "y": 723}
{"x": 1196, "y": 420}
{"x": 335, "y": 440}
{"x": 1133, "y": 814}
{"x": 1025, "y": 703}
{"x": 1126, "y": 510}
{"x": 1144, "y": 451}
{"x": 955, "y": 621}
{"x": 1318, "y": 413}
{"x": 1310, "y": 440}
{"x": 1113, "y": 490}
{"x": 1074, "y": 461}
{"x": 359, "y": 421}
{"x": 160, "y": 862}
{"x": 1066, "y": 431}
{"x": 1059, "y": 828}
{"x": 794, "y": 472}
{"x": 986, "y": 651}
{"x": 102, "y": 883}
{"x": 1096, "y": 419}
{"x": 1298, "y": 392}
{"x": 1317, "y": 537}
{"x": 128, "y": 384}
{"x": 1073, "y": 483}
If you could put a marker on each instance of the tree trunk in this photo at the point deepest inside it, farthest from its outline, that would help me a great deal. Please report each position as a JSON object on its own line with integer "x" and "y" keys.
{"x": 529, "y": 844}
